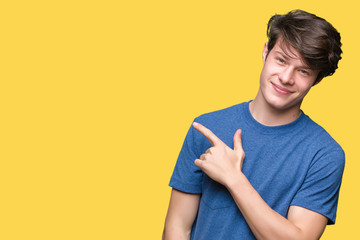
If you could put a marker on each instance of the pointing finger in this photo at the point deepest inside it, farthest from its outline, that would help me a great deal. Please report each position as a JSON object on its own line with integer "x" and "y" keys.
{"x": 213, "y": 139}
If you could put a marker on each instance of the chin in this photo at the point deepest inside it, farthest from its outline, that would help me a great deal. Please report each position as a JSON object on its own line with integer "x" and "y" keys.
{"x": 281, "y": 105}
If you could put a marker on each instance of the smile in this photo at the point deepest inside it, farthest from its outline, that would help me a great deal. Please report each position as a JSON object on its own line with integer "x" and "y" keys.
{"x": 281, "y": 90}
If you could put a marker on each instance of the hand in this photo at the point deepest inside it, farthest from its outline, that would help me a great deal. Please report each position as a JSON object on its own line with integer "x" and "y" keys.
{"x": 220, "y": 162}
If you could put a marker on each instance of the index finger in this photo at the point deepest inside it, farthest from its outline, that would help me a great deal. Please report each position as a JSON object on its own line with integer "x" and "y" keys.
{"x": 213, "y": 139}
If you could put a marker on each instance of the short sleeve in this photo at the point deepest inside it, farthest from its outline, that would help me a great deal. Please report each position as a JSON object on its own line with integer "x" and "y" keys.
{"x": 187, "y": 177}
{"x": 320, "y": 189}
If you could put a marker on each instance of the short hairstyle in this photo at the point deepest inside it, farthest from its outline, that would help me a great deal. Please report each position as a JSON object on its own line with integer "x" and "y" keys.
{"x": 314, "y": 38}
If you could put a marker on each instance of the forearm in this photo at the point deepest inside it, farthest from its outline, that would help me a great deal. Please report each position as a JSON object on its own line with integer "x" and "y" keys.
{"x": 175, "y": 233}
{"x": 264, "y": 222}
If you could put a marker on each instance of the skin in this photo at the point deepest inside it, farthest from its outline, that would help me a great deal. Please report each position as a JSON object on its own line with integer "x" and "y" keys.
{"x": 181, "y": 214}
{"x": 284, "y": 82}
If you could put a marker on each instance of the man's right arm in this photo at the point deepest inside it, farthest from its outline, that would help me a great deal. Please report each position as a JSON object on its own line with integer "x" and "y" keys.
{"x": 181, "y": 214}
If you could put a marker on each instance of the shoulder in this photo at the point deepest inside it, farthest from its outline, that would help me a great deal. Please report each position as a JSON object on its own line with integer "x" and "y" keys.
{"x": 221, "y": 116}
{"x": 320, "y": 136}
{"x": 323, "y": 144}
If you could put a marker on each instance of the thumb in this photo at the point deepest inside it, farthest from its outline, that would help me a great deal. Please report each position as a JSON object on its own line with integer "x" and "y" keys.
{"x": 198, "y": 163}
{"x": 237, "y": 140}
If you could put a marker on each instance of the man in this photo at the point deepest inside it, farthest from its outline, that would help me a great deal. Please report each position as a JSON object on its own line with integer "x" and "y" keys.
{"x": 263, "y": 169}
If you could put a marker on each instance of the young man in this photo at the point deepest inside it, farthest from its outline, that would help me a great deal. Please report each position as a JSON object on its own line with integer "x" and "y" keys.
{"x": 263, "y": 169}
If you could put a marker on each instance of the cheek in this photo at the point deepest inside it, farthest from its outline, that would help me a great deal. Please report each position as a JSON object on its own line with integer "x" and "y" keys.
{"x": 270, "y": 70}
{"x": 265, "y": 73}
{"x": 305, "y": 88}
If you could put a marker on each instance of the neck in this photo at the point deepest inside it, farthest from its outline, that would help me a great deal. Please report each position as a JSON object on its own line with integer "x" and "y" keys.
{"x": 270, "y": 116}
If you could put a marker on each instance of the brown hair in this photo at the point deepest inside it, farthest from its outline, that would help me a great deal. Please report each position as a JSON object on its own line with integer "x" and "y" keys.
{"x": 314, "y": 38}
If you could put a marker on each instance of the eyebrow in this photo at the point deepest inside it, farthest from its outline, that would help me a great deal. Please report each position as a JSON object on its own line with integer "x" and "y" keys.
{"x": 287, "y": 56}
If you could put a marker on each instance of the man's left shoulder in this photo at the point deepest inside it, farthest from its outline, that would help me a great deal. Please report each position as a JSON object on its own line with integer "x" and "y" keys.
{"x": 323, "y": 142}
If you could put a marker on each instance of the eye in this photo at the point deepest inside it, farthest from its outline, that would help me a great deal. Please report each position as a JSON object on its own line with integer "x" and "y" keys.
{"x": 304, "y": 72}
{"x": 280, "y": 60}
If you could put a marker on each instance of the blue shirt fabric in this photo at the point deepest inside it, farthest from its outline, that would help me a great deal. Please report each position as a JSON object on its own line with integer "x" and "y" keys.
{"x": 294, "y": 164}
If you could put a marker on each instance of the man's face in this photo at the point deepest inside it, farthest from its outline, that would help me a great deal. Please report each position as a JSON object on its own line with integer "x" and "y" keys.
{"x": 285, "y": 79}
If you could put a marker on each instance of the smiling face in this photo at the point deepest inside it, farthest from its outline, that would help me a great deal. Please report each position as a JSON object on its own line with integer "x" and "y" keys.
{"x": 285, "y": 79}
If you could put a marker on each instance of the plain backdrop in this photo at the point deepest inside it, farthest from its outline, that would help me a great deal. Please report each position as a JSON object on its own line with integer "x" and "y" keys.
{"x": 96, "y": 98}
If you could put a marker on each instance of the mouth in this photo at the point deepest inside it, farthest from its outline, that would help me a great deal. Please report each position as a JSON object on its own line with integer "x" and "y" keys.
{"x": 281, "y": 90}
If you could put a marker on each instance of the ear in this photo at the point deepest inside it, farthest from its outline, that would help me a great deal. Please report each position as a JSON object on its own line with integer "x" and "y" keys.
{"x": 265, "y": 52}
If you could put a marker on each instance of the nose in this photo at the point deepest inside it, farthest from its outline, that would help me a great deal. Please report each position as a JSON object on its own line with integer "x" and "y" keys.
{"x": 286, "y": 76}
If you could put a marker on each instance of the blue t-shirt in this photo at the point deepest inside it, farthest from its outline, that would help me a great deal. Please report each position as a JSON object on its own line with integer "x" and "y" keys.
{"x": 294, "y": 164}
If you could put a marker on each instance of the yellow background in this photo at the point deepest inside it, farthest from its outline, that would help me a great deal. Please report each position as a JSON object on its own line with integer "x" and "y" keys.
{"x": 96, "y": 98}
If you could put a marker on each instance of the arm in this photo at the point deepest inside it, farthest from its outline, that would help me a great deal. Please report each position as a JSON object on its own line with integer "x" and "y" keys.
{"x": 181, "y": 214}
{"x": 266, "y": 223}
{"x": 224, "y": 165}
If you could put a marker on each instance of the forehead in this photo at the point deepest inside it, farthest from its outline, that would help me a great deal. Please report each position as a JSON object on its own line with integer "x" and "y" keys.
{"x": 286, "y": 50}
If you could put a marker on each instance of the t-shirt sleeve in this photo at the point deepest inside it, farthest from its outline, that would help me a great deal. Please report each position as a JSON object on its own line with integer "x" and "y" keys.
{"x": 320, "y": 189}
{"x": 187, "y": 177}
